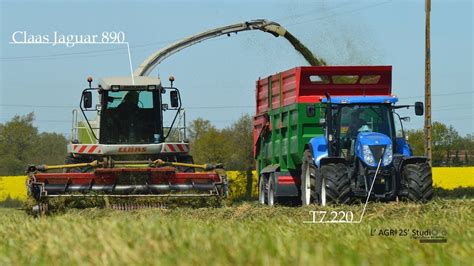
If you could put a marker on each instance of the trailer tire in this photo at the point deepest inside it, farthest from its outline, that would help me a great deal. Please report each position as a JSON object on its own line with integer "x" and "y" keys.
{"x": 262, "y": 188}
{"x": 308, "y": 179}
{"x": 417, "y": 182}
{"x": 334, "y": 184}
{"x": 271, "y": 195}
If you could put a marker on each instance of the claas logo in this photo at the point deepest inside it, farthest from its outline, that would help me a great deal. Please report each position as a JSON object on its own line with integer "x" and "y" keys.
{"x": 132, "y": 149}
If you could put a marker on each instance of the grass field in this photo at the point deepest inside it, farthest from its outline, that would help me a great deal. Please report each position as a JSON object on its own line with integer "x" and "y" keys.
{"x": 243, "y": 234}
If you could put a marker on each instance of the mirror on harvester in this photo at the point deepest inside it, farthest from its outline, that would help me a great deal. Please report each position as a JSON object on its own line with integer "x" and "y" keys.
{"x": 419, "y": 108}
{"x": 87, "y": 99}
{"x": 174, "y": 99}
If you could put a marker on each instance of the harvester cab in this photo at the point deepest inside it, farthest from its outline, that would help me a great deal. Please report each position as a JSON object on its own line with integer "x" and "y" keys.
{"x": 125, "y": 150}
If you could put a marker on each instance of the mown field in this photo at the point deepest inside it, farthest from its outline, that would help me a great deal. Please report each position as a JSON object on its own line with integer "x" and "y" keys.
{"x": 245, "y": 233}
{"x": 242, "y": 234}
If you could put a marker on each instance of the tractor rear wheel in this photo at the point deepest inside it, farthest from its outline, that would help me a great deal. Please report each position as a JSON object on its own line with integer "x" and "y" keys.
{"x": 335, "y": 186}
{"x": 308, "y": 179}
{"x": 417, "y": 182}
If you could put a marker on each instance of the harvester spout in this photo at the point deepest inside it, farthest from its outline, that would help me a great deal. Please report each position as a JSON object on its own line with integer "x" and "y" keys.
{"x": 259, "y": 24}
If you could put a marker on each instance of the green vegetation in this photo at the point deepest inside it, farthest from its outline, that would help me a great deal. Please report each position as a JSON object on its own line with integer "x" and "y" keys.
{"x": 21, "y": 144}
{"x": 232, "y": 146}
{"x": 449, "y": 149}
{"x": 245, "y": 234}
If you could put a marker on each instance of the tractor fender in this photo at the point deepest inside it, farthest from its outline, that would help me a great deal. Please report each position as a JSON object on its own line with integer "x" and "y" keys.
{"x": 335, "y": 160}
{"x": 319, "y": 149}
{"x": 411, "y": 160}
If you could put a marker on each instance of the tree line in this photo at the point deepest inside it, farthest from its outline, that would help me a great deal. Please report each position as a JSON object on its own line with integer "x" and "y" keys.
{"x": 22, "y": 144}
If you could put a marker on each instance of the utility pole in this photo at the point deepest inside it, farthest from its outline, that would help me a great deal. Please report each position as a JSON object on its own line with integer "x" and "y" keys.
{"x": 428, "y": 138}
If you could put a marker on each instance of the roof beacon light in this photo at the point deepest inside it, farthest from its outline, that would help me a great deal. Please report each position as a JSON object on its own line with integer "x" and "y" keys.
{"x": 89, "y": 79}
{"x": 171, "y": 79}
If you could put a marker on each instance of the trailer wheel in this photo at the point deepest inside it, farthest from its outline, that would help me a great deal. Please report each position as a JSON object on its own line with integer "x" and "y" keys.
{"x": 271, "y": 198}
{"x": 417, "y": 182}
{"x": 335, "y": 186}
{"x": 262, "y": 183}
{"x": 308, "y": 179}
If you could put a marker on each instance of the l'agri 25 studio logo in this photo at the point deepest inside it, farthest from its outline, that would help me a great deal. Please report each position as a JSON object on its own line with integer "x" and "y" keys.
{"x": 430, "y": 235}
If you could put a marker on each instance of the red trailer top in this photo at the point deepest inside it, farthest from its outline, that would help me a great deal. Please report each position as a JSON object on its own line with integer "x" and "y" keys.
{"x": 309, "y": 84}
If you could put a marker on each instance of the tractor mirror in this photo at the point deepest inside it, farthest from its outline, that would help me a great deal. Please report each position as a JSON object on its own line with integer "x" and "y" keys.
{"x": 419, "y": 109}
{"x": 174, "y": 99}
{"x": 87, "y": 99}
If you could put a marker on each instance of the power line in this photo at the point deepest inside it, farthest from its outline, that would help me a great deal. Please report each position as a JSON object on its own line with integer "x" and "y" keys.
{"x": 341, "y": 13}
{"x": 442, "y": 94}
{"x": 313, "y": 11}
{"x": 73, "y": 54}
{"x": 71, "y": 107}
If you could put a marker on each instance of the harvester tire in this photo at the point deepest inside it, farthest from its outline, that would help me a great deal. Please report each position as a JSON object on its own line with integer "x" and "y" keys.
{"x": 335, "y": 186}
{"x": 417, "y": 182}
{"x": 308, "y": 179}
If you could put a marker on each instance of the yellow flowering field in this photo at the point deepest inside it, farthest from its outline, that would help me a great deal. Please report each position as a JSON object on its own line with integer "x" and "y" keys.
{"x": 443, "y": 177}
{"x": 453, "y": 177}
{"x": 13, "y": 186}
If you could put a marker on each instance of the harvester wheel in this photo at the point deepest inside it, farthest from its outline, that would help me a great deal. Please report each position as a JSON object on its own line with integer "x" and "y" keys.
{"x": 417, "y": 182}
{"x": 262, "y": 188}
{"x": 308, "y": 175}
{"x": 335, "y": 186}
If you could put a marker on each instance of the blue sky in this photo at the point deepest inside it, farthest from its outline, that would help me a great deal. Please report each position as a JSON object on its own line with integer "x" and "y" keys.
{"x": 217, "y": 77}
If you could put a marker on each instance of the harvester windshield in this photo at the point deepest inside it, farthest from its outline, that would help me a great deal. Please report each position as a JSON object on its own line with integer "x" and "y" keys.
{"x": 130, "y": 117}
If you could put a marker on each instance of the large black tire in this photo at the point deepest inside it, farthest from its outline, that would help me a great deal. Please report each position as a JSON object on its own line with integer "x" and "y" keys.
{"x": 308, "y": 179}
{"x": 417, "y": 182}
{"x": 335, "y": 181}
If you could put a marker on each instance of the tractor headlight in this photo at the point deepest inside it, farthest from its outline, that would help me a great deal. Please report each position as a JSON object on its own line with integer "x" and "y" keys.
{"x": 368, "y": 157}
{"x": 388, "y": 155}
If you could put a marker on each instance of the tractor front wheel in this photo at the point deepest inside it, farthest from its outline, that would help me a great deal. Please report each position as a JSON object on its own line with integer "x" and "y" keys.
{"x": 417, "y": 182}
{"x": 333, "y": 185}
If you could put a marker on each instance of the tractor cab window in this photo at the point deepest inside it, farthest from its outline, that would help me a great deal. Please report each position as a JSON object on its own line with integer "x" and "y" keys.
{"x": 130, "y": 117}
{"x": 360, "y": 118}
{"x": 350, "y": 120}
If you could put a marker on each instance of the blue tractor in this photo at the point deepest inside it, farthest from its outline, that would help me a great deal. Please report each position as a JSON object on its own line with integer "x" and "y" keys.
{"x": 361, "y": 156}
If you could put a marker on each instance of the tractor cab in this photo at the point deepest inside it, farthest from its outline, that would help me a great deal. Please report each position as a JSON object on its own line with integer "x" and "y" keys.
{"x": 362, "y": 120}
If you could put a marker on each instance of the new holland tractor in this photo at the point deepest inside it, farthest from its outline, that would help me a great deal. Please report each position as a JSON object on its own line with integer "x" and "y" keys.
{"x": 328, "y": 135}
